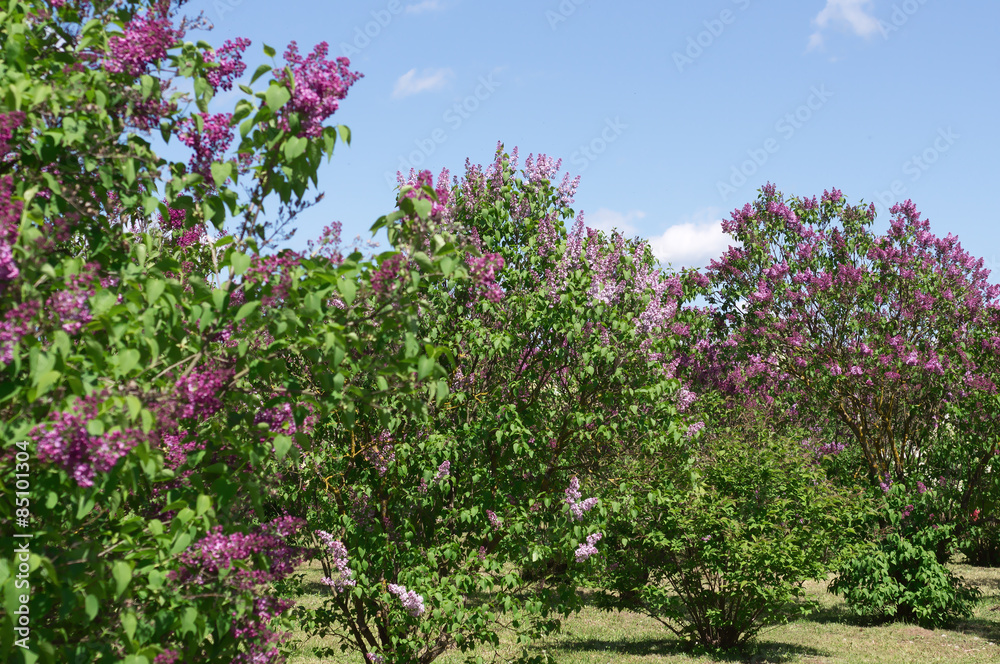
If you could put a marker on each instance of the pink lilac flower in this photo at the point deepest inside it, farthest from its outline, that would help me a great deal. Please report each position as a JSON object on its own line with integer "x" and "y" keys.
{"x": 483, "y": 272}
{"x": 694, "y": 429}
{"x": 16, "y": 324}
{"x": 585, "y": 551}
{"x": 494, "y": 521}
{"x": 65, "y": 441}
{"x": 412, "y": 602}
{"x": 10, "y": 221}
{"x": 199, "y": 392}
{"x": 229, "y": 61}
{"x": 388, "y": 275}
{"x": 319, "y": 85}
{"x": 70, "y": 305}
{"x": 144, "y": 40}
{"x": 578, "y": 508}
{"x": 209, "y": 143}
{"x": 444, "y": 470}
{"x": 338, "y": 552}
{"x": 168, "y": 657}
{"x": 442, "y": 190}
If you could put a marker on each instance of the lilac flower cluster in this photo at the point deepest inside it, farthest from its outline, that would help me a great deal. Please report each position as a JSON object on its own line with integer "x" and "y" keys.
{"x": 10, "y": 220}
{"x": 70, "y": 304}
{"x": 443, "y": 471}
{"x": 578, "y": 508}
{"x": 144, "y": 40}
{"x": 202, "y": 561}
{"x": 483, "y": 272}
{"x": 319, "y": 85}
{"x": 494, "y": 520}
{"x": 380, "y": 457}
{"x": 276, "y": 269}
{"x": 65, "y": 441}
{"x": 338, "y": 552}
{"x": 442, "y": 190}
{"x": 412, "y": 602}
{"x": 281, "y": 419}
{"x": 389, "y": 275}
{"x": 198, "y": 392}
{"x": 229, "y": 63}
{"x": 693, "y": 429}
{"x": 16, "y": 324}
{"x": 585, "y": 551}
{"x": 209, "y": 143}
{"x": 176, "y": 448}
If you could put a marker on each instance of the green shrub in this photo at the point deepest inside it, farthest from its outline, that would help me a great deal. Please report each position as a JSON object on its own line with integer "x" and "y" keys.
{"x": 902, "y": 579}
{"x": 717, "y": 561}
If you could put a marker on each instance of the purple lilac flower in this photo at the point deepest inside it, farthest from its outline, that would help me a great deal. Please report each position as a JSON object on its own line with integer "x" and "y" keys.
{"x": 320, "y": 84}
{"x": 144, "y": 41}
{"x": 412, "y": 602}
{"x": 585, "y": 551}
{"x": 343, "y": 578}
{"x": 444, "y": 470}
{"x": 229, "y": 58}
{"x": 65, "y": 441}
{"x": 578, "y": 508}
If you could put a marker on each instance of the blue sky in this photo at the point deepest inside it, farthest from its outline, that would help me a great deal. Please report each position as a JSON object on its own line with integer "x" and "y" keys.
{"x": 673, "y": 113}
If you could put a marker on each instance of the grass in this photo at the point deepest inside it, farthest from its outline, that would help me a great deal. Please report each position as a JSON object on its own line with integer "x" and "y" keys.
{"x": 830, "y": 636}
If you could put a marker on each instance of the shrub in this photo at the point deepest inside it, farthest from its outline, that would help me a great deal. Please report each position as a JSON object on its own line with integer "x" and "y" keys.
{"x": 903, "y": 580}
{"x": 718, "y": 560}
{"x": 902, "y": 574}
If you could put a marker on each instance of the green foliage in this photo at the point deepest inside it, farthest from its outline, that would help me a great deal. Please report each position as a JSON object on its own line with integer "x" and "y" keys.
{"x": 726, "y": 555}
{"x": 899, "y": 579}
{"x": 900, "y": 573}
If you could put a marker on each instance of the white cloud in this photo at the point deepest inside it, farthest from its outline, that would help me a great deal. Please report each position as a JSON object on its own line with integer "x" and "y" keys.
{"x": 412, "y": 83}
{"x": 425, "y": 6}
{"x": 852, "y": 13}
{"x": 606, "y": 220}
{"x": 692, "y": 243}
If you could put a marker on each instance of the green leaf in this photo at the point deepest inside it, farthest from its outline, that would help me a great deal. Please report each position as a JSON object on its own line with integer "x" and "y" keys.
{"x": 154, "y": 289}
{"x": 282, "y": 444}
{"x": 221, "y": 172}
{"x": 239, "y": 262}
{"x": 246, "y": 309}
{"x": 424, "y": 366}
{"x": 122, "y": 573}
{"x": 127, "y": 360}
{"x": 268, "y": 51}
{"x": 188, "y": 620}
{"x": 294, "y": 147}
{"x": 348, "y": 288}
{"x": 91, "y": 606}
{"x": 276, "y": 96}
{"x": 260, "y": 71}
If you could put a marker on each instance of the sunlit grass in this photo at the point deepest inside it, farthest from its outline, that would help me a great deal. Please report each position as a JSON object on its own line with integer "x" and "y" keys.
{"x": 830, "y": 636}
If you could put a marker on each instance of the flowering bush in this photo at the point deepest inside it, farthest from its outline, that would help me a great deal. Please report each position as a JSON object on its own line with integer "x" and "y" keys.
{"x": 886, "y": 344}
{"x": 555, "y": 336}
{"x": 150, "y": 344}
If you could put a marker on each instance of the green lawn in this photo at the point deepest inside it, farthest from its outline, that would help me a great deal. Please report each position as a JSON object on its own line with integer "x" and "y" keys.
{"x": 831, "y": 636}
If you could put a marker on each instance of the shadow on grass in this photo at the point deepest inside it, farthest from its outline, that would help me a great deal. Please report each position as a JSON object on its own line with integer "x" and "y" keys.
{"x": 770, "y": 652}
